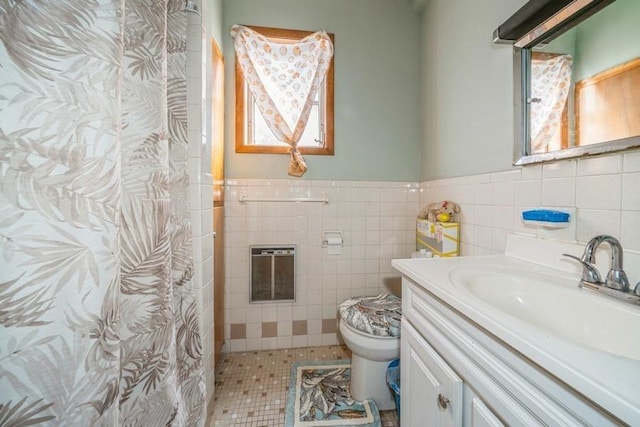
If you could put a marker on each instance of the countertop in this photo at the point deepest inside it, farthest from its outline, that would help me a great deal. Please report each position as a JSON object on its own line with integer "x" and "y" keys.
{"x": 608, "y": 380}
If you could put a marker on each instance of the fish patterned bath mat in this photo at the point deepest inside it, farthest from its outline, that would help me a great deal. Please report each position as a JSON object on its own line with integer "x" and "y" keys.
{"x": 319, "y": 396}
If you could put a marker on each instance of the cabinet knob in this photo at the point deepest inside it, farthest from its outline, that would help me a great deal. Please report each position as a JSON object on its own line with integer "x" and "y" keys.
{"x": 443, "y": 402}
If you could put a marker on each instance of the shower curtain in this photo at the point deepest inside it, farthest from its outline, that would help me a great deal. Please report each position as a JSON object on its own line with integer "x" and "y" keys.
{"x": 98, "y": 318}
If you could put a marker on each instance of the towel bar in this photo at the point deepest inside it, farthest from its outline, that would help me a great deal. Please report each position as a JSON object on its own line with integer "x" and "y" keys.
{"x": 243, "y": 198}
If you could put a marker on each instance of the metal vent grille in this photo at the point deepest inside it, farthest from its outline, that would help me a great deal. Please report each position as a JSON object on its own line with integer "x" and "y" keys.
{"x": 272, "y": 273}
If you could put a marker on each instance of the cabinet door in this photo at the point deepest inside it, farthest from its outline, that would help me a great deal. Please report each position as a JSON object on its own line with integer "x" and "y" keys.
{"x": 431, "y": 391}
{"x": 481, "y": 416}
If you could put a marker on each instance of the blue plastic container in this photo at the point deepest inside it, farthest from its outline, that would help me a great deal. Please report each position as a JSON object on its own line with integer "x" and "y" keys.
{"x": 545, "y": 215}
{"x": 393, "y": 379}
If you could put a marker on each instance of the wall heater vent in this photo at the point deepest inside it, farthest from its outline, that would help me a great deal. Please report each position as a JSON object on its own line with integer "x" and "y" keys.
{"x": 273, "y": 273}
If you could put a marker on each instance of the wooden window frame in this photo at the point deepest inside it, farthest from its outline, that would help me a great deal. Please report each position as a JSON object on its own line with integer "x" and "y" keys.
{"x": 241, "y": 146}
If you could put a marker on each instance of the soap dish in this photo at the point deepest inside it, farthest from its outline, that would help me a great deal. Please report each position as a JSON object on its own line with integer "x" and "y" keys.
{"x": 547, "y": 218}
{"x": 546, "y": 224}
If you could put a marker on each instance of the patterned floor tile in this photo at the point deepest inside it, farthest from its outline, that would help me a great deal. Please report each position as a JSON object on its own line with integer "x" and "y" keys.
{"x": 251, "y": 387}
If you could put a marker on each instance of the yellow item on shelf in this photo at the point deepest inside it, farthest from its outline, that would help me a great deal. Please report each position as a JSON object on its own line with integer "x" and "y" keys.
{"x": 441, "y": 238}
{"x": 443, "y": 217}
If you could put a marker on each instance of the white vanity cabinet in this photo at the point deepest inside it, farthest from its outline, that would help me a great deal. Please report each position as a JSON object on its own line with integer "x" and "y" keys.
{"x": 454, "y": 373}
{"x": 481, "y": 416}
{"x": 432, "y": 388}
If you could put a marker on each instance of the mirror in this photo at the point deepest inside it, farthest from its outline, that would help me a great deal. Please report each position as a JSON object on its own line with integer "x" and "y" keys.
{"x": 577, "y": 83}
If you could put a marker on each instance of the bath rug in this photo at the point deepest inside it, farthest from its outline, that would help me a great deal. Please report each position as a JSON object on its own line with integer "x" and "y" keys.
{"x": 319, "y": 396}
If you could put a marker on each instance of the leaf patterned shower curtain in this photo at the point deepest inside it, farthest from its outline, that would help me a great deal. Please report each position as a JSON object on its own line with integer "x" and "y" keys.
{"x": 98, "y": 318}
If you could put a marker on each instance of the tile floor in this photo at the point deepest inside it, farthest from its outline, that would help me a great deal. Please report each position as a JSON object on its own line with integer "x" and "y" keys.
{"x": 251, "y": 387}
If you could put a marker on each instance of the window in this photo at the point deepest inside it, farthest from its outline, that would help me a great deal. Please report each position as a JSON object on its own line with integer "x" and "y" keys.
{"x": 252, "y": 133}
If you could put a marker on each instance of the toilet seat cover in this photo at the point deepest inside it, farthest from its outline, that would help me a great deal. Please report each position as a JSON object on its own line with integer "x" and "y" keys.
{"x": 379, "y": 315}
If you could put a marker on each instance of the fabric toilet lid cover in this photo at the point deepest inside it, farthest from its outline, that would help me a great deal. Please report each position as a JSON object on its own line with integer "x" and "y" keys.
{"x": 379, "y": 315}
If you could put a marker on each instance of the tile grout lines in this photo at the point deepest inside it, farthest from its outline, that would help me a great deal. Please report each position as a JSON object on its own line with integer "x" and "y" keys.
{"x": 251, "y": 387}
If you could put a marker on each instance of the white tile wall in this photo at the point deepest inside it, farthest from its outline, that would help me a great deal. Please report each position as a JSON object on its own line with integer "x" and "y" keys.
{"x": 602, "y": 194}
{"x": 378, "y": 223}
{"x": 200, "y": 185}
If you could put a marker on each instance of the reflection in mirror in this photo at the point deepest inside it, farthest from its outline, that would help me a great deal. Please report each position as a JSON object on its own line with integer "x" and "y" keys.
{"x": 549, "y": 101}
{"x": 580, "y": 89}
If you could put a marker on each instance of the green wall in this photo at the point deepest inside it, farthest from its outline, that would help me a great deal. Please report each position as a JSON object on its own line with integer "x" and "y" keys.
{"x": 377, "y": 81}
{"x": 468, "y": 88}
{"x": 609, "y": 38}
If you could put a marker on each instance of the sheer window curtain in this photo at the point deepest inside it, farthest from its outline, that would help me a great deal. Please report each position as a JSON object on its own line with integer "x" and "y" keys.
{"x": 550, "y": 85}
{"x": 284, "y": 78}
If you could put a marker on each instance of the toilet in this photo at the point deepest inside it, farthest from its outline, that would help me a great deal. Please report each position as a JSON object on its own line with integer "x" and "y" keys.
{"x": 370, "y": 327}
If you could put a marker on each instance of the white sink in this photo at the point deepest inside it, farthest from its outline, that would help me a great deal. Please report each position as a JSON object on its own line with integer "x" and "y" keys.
{"x": 556, "y": 305}
{"x": 529, "y": 299}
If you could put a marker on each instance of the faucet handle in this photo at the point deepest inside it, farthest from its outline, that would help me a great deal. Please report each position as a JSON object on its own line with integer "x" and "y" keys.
{"x": 617, "y": 279}
{"x": 590, "y": 272}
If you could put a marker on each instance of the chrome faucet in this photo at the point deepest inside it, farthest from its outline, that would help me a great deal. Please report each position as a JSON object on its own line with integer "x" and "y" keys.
{"x": 616, "y": 283}
{"x": 616, "y": 278}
